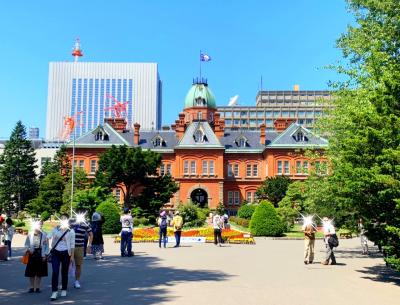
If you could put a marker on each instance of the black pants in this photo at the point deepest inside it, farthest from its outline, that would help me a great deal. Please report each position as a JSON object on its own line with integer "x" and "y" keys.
{"x": 178, "y": 238}
{"x": 59, "y": 258}
{"x": 217, "y": 236}
{"x": 163, "y": 237}
{"x": 8, "y": 244}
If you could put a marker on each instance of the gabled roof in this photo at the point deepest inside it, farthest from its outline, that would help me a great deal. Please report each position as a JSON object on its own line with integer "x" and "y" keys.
{"x": 88, "y": 139}
{"x": 287, "y": 139}
{"x": 188, "y": 139}
{"x": 147, "y": 136}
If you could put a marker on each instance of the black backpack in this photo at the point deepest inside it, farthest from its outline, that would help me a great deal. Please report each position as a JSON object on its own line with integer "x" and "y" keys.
{"x": 333, "y": 241}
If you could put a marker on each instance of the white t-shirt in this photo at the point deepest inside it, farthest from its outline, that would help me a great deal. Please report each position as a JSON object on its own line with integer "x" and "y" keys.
{"x": 217, "y": 222}
{"x": 127, "y": 223}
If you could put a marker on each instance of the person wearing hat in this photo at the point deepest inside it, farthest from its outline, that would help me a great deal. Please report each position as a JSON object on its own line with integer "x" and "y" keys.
{"x": 163, "y": 224}
{"x": 97, "y": 241}
{"x": 126, "y": 233}
{"x": 329, "y": 232}
{"x": 177, "y": 224}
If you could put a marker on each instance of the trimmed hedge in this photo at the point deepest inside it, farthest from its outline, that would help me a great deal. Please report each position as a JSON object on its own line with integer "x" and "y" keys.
{"x": 110, "y": 212}
{"x": 240, "y": 221}
{"x": 265, "y": 221}
{"x": 246, "y": 211}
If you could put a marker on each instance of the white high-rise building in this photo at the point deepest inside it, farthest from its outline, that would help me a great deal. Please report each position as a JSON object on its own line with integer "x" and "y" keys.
{"x": 92, "y": 88}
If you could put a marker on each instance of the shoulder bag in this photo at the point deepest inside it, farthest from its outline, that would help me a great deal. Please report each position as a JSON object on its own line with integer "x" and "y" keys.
{"x": 50, "y": 256}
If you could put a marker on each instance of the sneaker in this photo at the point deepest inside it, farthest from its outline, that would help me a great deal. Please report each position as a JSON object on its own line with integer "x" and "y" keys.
{"x": 31, "y": 290}
{"x": 305, "y": 263}
{"x": 37, "y": 290}
{"x": 63, "y": 293}
{"x": 8, "y": 258}
{"x": 53, "y": 296}
{"x": 324, "y": 263}
{"x": 333, "y": 263}
{"x": 77, "y": 285}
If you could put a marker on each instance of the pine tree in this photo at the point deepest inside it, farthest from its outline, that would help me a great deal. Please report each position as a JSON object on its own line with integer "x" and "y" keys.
{"x": 18, "y": 182}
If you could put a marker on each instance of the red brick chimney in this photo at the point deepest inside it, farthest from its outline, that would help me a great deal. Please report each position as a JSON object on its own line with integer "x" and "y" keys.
{"x": 281, "y": 124}
{"x": 118, "y": 124}
{"x": 262, "y": 134}
{"x": 136, "y": 136}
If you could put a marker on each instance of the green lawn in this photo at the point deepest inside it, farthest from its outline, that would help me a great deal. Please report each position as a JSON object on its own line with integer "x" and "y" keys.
{"x": 296, "y": 232}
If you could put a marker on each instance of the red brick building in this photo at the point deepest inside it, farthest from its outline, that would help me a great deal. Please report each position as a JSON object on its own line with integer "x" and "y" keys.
{"x": 211, "y": 163}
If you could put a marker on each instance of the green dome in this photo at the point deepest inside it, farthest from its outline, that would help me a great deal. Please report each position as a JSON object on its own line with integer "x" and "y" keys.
{"x": 200, "y": 96}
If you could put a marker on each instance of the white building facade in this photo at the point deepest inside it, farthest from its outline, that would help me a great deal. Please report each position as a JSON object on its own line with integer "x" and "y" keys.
{"x": 85, "y": 87}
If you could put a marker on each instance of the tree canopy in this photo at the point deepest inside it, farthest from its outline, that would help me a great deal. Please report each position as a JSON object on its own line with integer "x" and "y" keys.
{"x": 134, "y": 172}
{"x": 18, "y": 182}
{"x": 364, "y": 124}
{"x": 273, "y": 189}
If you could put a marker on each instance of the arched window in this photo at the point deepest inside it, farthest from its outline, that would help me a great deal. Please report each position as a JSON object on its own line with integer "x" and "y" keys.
{"x": 200, "y": 101}
{"x": 199, "y": 115}
{"x": 198, "y": 136}
{"x": 300, "y": 136}
{"x": 99, "y": 136}
{"x": 157, "y": 141}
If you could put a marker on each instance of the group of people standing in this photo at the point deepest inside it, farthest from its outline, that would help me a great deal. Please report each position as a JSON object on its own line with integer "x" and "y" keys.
{"x": 175, "y": 221}
{"x": 64, "y": 248}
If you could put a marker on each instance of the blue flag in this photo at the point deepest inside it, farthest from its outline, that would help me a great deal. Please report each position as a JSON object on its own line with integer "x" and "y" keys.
{"x": 205, "y": 57}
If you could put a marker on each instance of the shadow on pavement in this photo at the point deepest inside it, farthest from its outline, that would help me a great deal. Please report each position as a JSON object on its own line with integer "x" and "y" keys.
{"x": 114, "y": 280}
{"x": 381, "y": 274}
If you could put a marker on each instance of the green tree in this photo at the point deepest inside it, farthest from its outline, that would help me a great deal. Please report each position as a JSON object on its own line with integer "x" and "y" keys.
{"x": 111, "y": 213}
{"x": 59, "y": 164}
{"x": 265, "y": 221}
{"x": 50, "y": 195}
{"x": 89, "y": 199}
{"x": 81, "y": 182}
{"x": 158, "y": 191}
{"x": 273, "y": 189}
{"x": 364, "y": 124}
{"x": 18, "y": 182}
{"x": 133, "y": 169}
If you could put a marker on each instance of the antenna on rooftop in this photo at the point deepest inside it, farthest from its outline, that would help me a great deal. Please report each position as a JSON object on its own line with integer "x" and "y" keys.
{"x": 76, "y": 51}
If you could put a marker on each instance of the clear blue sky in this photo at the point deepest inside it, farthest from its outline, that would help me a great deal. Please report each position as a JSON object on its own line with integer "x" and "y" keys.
{"x": 287, "y": 42}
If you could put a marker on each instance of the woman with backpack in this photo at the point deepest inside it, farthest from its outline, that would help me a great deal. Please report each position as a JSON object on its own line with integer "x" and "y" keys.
{"x": 163, "y": 224}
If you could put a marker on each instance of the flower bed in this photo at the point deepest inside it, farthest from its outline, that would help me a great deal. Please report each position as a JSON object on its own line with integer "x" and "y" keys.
{"x": 228, "y": 235}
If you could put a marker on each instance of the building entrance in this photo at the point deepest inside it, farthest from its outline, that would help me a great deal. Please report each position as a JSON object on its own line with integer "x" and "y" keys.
{"x": 200, "y": 197}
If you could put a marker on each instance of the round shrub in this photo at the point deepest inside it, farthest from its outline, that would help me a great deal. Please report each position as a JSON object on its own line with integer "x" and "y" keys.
{"x": 110, "y": 212}
{"x": 246, "y": 211}
{"x": 192, "y": 215}
{"x": 265, "y": 221}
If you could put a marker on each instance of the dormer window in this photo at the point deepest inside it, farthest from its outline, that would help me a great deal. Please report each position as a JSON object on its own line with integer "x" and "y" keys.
{"x": 100, "y": 136}
{"x": 300, "y": 136}
{"x": 241, "y": 141}
{"x": 199, "y": 136}
{"x": 158, "y": 141}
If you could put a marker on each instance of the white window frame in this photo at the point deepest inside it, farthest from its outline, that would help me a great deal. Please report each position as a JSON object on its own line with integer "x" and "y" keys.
{"x": 82, "y": 163}
{"x": 286, "y": 166}
{"x": 230, "y": 170}
{"x": 186, "y": 167}
{"x": 93, "y": 162}
{"x": 236, "y": 170}
{"x": 236, "y": 198}
{"x": 255, "y": 170}
{"x": 162, "y": 170}
{"x": 230, "y": 198}
{"x": 249, "y": 197}
{"x": 205, "y": 167}
{"x": 168, "y": 170}
{"x": 193, "y": 167}
{"x": 211, "y": 167}
{"x": 280, "y": 167}
{"x": 299, "y": 170}
{"x": 248, "y": 170}
{"x": 305, "y": 167}
{"x": 118, "y": 194}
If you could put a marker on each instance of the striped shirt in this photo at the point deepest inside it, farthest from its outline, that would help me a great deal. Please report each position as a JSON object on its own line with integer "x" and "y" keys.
{"x": 80, "y": 231}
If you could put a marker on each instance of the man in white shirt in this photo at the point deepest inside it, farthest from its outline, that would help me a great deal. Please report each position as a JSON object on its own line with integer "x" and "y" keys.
{"x": 126, "y": 233}
{"x": 329, "y": 232}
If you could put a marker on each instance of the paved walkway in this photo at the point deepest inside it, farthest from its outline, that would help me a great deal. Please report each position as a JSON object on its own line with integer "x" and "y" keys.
{"x": 270, "y": 272}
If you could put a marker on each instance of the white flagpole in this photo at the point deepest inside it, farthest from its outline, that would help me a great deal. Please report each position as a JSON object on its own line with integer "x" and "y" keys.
{"x": 200, "y": 65}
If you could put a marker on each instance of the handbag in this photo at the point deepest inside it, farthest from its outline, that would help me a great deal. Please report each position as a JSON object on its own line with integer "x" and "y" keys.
{"x": 25, "y": 258}
{"x": 50, "y": 256}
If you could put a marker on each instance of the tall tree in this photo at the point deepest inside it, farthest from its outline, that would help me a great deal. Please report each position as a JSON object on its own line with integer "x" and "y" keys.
{"x": 59, "y": 164}
{"x": 18, "y": 182}
{"x": 273, "y": 189}
{"x": 364, "y": 125}
{"x": 50, "y": 195}
{"x": 135, "y": 172}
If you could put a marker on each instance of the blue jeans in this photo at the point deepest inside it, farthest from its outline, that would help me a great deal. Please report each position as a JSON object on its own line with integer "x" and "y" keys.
{"x": 59, "y": 258}
{"x": 8, "y": 244}
{"x": 163, "y": 237}
{"x": 126, "y": 243}
{"x": 178, "y": 238}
